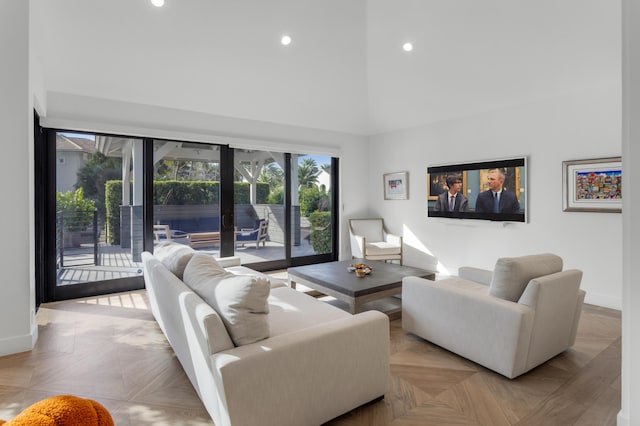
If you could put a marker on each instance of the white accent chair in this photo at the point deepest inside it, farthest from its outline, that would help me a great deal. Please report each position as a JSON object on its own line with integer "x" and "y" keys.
{"x": 370, "y": 240}
{"x": 510, "y": 320}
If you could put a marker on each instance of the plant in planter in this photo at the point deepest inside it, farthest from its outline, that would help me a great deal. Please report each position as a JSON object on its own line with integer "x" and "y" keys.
{"x": 76, "y": 213}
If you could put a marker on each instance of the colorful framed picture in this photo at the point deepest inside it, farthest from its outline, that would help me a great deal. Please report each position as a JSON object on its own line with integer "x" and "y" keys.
{"x": 592, "y": 185}
{"x": 396, "y": 186}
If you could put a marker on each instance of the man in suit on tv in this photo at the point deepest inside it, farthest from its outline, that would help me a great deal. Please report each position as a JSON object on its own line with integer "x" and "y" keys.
{"x": 452, "y": 200}
{"x": 497, "y": 199}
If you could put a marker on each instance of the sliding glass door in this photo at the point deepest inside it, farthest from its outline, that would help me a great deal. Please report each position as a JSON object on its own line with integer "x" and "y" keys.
{"x": 95, "y": 224}
{"x": 259, "y": 212}
{"x": 107, "y": 198}
{"x": 186, "y": 195}
{"x": 313, "y": 214}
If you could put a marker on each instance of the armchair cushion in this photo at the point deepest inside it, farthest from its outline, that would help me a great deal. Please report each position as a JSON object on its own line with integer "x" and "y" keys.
{"x": 382, "y": 248}
{"x": 241, "y": 300}
{"x": 512, "y": 274}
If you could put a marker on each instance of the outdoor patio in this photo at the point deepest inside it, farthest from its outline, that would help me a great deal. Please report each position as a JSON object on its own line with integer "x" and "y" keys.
{"x": 116, "y": 262}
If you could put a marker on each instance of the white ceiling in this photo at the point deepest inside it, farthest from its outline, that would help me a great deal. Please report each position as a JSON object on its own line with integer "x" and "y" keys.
{"x": 344, "y": 71}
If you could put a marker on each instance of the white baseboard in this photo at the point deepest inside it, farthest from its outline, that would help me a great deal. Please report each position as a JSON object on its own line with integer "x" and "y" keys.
{"x": 603, "y": 300}
{"x": 622, "y": 420}
{"x": 17, "y": 344}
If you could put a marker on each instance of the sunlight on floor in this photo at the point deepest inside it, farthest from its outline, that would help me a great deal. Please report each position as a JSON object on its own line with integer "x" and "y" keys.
{"x": 134, "y": 300}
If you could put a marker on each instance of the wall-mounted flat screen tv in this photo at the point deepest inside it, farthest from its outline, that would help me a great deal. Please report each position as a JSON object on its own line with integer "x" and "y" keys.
{"x": 488, "y": 190}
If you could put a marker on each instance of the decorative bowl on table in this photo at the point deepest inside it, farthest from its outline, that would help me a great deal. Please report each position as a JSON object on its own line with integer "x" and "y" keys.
{"x": 360, "y": 269}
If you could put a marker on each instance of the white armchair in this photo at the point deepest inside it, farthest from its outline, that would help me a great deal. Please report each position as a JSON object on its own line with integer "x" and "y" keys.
{"x": 370, "y": 240}
{"x": 510, "y": 320}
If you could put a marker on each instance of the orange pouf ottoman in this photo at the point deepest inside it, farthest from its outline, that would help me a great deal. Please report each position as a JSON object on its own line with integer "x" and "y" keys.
{"x": 63, "y": 410}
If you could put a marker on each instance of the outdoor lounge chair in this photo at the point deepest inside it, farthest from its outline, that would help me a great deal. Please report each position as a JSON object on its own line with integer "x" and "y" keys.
{"x": 256, "y": 234}
{"x": 163, "y": 232}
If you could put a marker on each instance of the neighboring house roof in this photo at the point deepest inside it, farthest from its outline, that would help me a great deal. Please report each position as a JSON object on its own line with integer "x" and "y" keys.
{"x": 66, "y": 143}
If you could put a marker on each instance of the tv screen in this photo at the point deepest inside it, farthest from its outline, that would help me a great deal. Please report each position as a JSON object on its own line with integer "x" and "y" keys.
{"x": 488, "y": 190}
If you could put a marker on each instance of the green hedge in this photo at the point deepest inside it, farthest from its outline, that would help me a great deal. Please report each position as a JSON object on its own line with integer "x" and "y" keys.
{"x": 113, "y": 200}
{"x": 320, "y": 232}
{"x": 174, "y": 192}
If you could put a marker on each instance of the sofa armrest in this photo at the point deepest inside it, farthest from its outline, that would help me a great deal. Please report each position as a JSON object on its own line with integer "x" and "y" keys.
{"x": 557, "y": 300}
{"x": 488, "y": 330}
{"x": 315, "y": 374}
{"x": 481, "y": 276}
{"x": 227, "y": 262}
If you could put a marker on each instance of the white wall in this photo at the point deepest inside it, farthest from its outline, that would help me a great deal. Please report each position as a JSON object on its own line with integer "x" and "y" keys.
{"x": 17, "y": 316}
{"x": 567, "y": 127}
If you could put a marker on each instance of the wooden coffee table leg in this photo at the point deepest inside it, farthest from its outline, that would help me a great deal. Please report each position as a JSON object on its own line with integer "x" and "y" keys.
{"x": 355, "y": 306}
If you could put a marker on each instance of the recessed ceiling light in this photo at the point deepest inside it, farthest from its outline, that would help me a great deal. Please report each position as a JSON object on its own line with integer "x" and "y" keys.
{"x": 285, "y": 40}
{"x": 157, "y": 3}
{"x": 407, "y": 47}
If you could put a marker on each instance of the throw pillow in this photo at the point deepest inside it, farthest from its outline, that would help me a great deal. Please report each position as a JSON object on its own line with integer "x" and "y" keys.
{"x": 174, "y": 256}
{"x": 240, "y": 300}
{"x": 511, "y": 275}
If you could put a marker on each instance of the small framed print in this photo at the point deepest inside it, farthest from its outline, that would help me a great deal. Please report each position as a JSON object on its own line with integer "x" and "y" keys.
{"x": 592, "y": 185}
{"x": 396, "y": 186}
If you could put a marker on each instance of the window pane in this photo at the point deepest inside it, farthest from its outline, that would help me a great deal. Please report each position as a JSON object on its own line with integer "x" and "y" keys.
{"x": 186, "y": 194}
{"x": 311, "y": 205}
{"x": 98, "y": 207}
{"x": 259, "y": 205}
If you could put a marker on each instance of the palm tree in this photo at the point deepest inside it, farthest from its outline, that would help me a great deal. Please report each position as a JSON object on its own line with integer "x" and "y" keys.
{"x": 308, "y": 172}
{"x": 273, "y": 175}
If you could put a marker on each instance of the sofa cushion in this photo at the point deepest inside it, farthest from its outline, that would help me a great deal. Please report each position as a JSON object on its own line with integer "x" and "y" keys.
{"x": 512, "y": 274}
{"x": 243, "y": 270}
{"x": 174, "y": 256}
{"x": 241, "y": 300}
{"x": 291, "y": 310}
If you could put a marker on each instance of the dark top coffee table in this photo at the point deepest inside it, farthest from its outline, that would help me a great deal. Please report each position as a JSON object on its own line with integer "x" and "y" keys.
{"x": 333, "y": 279}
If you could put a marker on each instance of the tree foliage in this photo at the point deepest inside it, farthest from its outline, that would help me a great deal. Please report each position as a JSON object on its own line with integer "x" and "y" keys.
{"x": 97, "y": 170}
{"x": 273, "y": 175}
{"x": 308, "y": 173}
{"x": 186, "y": 170}
{"x": 75, "y": 209}
{"x": 313, "y": 199}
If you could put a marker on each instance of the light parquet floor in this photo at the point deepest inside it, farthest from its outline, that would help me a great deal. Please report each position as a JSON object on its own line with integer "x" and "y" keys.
{"x": 110, "y": 349}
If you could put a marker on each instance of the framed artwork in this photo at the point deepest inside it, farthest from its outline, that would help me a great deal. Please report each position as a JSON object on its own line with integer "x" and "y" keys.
{"x": 592, "y": 185}
{"x": 396, "y": 186}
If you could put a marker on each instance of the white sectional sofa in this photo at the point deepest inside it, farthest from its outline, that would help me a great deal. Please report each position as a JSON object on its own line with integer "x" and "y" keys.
{"x": 317, "y": 363}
